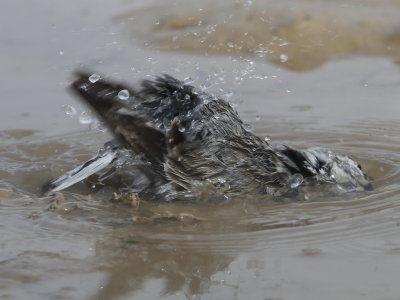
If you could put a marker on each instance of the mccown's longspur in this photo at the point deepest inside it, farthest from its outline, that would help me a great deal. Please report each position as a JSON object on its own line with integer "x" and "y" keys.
{"x": 180, "y": 137}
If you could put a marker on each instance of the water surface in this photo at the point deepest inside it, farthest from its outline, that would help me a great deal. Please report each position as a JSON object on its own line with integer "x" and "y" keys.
{"x": 80, "y": 245}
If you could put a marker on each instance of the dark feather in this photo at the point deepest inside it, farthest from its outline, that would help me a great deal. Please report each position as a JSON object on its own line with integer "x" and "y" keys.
{"x": 188, "y": 136}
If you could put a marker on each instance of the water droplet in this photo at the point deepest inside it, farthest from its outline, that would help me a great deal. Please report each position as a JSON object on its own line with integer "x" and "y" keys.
{"x": 188, "y": 80}
{"x": 152, "y": 60}
{"x": 295, "y": 180}
{"x": 247, "y": 127}
{"x": 94, "y": 77}
{"x": 262, "y": 52}
{"x": 123, "y": 95}
{"x": 288, "y": 90}
{"x": 181, "y": 128}
{"x": 267, "y": 139}
{"x": 97, "y": 125}
{"x": 61, "y": 52}
{"x": 101, "y": 127}
{"x": 85, "y": 118}
{"x": 283, "y": 57}
{"x": 228, "y": 95}
{"x": 69, "y": 110}
{"x": 217, "y": 116}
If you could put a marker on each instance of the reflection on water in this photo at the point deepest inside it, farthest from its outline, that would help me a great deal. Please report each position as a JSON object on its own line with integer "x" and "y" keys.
{"x": 298, "y": 35}
{"x": 138, "y": 245}
{"x": 180, "y": 270}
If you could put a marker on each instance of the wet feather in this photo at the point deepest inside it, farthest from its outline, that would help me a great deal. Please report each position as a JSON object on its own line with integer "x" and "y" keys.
{"x": 187, "y": 136}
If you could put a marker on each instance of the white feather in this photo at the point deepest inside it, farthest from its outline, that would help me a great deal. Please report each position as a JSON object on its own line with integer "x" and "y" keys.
{"x": 90, "y": 167}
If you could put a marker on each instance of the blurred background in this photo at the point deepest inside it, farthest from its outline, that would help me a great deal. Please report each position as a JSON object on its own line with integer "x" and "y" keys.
{"x": 318, "y": 51}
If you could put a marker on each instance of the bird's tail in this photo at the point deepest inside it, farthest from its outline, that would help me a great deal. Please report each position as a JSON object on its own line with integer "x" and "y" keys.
{"x": 93, "y": 165}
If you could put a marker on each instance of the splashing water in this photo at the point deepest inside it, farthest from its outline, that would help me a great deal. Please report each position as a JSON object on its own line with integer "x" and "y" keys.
{"x": 248, "y": 127}
{"x": 69, "y": 110}
{"x": 283, "y": 58}
{"x": 94, "y": 78}
{"x": 123, "y": 95}
{"x": 295, "y": 181}
{"x": 85, "y": 118}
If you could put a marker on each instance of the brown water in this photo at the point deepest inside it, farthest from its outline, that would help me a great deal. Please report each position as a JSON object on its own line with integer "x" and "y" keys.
{"x": 79, "y": 245}
{"x": 299, "y": 35}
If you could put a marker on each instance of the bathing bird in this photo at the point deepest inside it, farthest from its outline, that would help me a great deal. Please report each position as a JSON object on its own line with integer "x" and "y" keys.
{"x": 176, "y": 137}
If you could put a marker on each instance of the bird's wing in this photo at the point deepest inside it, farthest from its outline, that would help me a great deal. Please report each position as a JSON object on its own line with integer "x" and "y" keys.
{"x": 133, "y": 129}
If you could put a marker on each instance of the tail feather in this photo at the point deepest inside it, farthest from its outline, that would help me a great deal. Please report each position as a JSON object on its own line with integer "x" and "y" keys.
{"x": 88, "y": 168}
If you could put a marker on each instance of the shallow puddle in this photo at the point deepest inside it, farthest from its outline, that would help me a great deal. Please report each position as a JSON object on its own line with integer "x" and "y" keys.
{"x": 85, "y": 244}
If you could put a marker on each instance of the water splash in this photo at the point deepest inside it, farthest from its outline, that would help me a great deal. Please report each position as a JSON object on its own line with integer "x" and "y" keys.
{"x": 283, "y": 58}
{"x": 123, "y": 95}
{"x": 248, "y": 127}
{"x": 295, "y": 180}
{"x": 69, "y": 110}
{"x": 85, "y": 118}
{"x": 94, "y": 78}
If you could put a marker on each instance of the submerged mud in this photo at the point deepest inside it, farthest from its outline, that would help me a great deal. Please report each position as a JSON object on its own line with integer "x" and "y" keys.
{"x": 298, "y": 35}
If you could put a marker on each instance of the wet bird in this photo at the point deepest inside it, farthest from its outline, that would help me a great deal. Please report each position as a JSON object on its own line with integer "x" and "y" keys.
{"x": 176, "y": 138}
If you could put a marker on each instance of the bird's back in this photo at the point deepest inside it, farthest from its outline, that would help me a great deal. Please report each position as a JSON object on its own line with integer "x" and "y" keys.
{"x": 185, "y": 138}
{"x": 187, "y": 135}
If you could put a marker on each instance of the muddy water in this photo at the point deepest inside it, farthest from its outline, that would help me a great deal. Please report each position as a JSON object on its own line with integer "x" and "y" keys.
{"x": 80, "y": 245}
{"x": 298, "y": 35}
